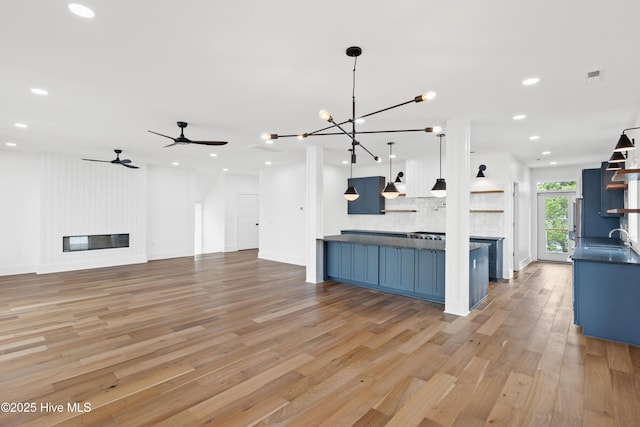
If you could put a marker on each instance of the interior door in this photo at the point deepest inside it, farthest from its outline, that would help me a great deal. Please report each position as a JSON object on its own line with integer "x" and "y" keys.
{"x": 248, "y": 221}
{"x": 555, "y": 219}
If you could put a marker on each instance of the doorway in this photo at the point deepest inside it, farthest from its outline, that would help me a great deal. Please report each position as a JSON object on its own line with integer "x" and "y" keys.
{"x": 554, "y": 222}
{"x": 248, "y": 221}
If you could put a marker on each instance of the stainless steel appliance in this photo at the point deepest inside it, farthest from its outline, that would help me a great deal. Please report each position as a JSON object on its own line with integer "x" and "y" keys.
{"x": 577, "y": 218}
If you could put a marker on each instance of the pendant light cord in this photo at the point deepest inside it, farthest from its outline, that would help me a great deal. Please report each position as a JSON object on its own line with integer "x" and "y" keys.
{"x": 440, "y": 155}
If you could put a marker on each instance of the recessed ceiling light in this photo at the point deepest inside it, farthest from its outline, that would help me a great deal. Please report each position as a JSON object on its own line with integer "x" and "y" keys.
{"x": 360, "y": 121}
{"x": 10, "y": 144}
{"x": 553, "y": 163}
{"x": 546, "y": 153}
{"x": 268, "y": 141}
{"x": 392, "y": 156}
{"x": 81, "y": 10}
{"x": 519, "y": 117}
{"x": 20, "y": 125}
{"x": 267, "y": 163}
{"x": 39, "y": 91}
{"x": 534, "y": 137}
{"x": 345, "y": 162}
{"x": 530, "y": 81}
{"x": 175, "y": 164}
{"x": 225, "y": 170}
{"x": 213, "y": 155}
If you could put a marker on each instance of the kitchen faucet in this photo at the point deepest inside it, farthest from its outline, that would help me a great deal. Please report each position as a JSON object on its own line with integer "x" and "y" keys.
{"x": 624, "y": 236}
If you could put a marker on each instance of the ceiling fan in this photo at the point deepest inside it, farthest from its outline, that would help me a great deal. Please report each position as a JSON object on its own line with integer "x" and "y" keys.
{"x": 117, "y": 160}
{"x": 183, "y": 140}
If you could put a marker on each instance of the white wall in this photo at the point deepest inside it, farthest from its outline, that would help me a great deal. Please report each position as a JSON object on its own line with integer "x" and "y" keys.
{"x": 170, "y": 204}
{"x": 83, "y": 198}
{"x": 333, "y": 202}
{"x": 20, "y": 213}
{"x": 282, "y": 215}
{"x": 213, "y": 216}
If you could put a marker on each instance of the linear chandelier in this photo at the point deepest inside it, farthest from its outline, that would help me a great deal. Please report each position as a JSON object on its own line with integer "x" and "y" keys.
{"x": 354, "y": 52}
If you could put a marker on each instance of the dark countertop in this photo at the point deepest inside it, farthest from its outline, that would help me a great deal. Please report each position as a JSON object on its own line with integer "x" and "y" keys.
{"x": 400, "y": 242}
{"x": 601, "y": 249}
{"x": 426, "y": 232}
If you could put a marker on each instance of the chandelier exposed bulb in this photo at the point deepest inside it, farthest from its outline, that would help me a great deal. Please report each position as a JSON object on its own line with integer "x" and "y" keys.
{"x": 324, "y": 115}
{"x": 427, "y": 96}
{"x": 269, "y": 136}
{"x": 377, "y": 159}
{"x": 302, "y": 136}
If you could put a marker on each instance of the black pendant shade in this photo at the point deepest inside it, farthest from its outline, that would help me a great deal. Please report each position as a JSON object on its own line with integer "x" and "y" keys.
{"x": 617, "y": 157}
{"x": 440, "y": 188}
{"x": 351, "y": 194}
{"x": 624, "y": 144}
{"x": 390, "y": 190}
{"x": 615, "y": 166}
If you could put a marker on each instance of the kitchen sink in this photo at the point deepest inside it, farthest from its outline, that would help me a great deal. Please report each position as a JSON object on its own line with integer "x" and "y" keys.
{"x": 604, "y": 247}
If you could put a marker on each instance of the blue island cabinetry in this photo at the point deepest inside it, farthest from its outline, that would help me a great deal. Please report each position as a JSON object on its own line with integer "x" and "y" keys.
{"x": 408, "y": 267}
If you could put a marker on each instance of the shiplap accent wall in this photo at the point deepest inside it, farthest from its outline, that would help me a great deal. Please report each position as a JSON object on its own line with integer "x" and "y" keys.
{"x": 79, "y": 198}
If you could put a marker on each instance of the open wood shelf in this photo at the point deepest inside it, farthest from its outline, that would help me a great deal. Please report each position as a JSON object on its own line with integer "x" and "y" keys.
{"x": 398, "y": 210}
{"x": 486, "y": 191}
{"x": 486, "y": 210}
{"x": 623, "y": 211}
{"x": 617, "y": 186}
{"x": 626, "y": 175}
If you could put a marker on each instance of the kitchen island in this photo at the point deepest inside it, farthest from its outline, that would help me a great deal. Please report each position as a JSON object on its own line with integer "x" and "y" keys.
{"x": 606, "y": 289}
{"x": 411, "y": 267}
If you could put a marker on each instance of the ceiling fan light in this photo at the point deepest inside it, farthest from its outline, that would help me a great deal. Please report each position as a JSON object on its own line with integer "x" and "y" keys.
{"x": 439, "y": 188}
{"x": 624, "y": 144}
{"x": 390, "y": 191}
{"x": 351, "y": 194}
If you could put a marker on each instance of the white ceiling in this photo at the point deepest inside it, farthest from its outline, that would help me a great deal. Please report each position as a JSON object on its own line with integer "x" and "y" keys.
{"x": 236, "y": 69}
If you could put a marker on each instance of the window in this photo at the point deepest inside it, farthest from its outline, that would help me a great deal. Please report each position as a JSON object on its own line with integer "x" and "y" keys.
{"x": 557, "y": 186}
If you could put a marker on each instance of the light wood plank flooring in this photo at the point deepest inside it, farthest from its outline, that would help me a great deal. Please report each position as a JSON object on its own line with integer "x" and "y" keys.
{"x": 227, "y": 339}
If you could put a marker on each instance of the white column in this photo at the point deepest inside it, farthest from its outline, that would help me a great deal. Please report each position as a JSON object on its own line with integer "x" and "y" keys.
{"x": 457, "y": 141}
{"x": 314, "y": 216}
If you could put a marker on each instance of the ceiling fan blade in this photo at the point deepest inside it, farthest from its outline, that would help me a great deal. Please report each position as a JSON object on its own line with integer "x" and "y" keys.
{"x": 210, "y": 142}
{"x": 130, "y": 166}
{"x": 125, "y": 161}
{"x": 102, "y": 161}
{"x": 161, "y": 135}
{"x": 171, "y": 145}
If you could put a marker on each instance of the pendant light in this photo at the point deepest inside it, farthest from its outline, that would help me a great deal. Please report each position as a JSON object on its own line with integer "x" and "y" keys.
{"x": 617, "y": 157}
{"x": 440, "y": 187}
{"x": 390, "y": 191}
{"x": 351, "y": 194}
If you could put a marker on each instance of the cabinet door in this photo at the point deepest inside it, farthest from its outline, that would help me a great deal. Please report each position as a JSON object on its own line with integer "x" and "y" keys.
{"x": 407, "y": 269}
{"x": 439, "y": 280}
{"x": 370, "y": 201}
{"x": 389, "y": 266}
{"x": 339, "y": 260}
{"x": 426, "y": 272}
{"x": 333, "y": 259}
{"x": 364, "y": 267}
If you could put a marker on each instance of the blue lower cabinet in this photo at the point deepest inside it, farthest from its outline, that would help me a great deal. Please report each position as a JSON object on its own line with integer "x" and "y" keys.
{"x": 364, "y": 263}
{"x": 338, "y": 258}
{"x": 606, "y": 299}
{"x": 397, "y": 268}
{"x": 478, "y": 275}
{"x": 430, "y": 274}
{"x": 495, "y": 257}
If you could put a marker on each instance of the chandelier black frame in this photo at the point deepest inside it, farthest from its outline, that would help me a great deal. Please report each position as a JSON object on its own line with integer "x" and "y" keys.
{"x": 355, "y": 52}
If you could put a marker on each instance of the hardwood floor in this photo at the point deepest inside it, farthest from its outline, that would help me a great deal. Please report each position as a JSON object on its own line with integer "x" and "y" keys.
{"x": 227, "y": 339}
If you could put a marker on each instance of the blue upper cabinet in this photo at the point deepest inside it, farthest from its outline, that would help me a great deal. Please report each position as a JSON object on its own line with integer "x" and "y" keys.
{"x": 609, "y": 198}
{"x": 370, "y": 201}
{"x": 594, "y": 224}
